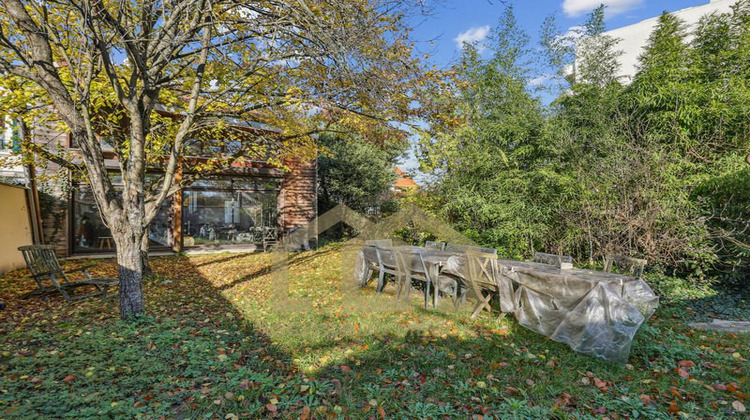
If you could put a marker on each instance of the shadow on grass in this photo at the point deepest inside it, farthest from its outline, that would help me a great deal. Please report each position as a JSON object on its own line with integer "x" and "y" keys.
{"x": 201, "y": 352}
{"x": 193, "y": 354}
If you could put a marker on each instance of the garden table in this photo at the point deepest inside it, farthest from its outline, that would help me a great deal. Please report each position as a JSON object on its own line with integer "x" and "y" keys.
{"x": 594, "y": 312}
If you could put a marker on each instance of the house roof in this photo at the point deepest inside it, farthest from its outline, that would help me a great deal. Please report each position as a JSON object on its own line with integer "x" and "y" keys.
{"x": 403, "y": 181}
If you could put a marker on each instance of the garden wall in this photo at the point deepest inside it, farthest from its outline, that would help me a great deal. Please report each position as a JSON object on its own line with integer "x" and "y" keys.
{"x": 15, "y": 226}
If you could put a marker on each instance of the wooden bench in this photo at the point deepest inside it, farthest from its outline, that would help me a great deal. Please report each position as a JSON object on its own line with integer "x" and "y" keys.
{"x": 44, "y": 267}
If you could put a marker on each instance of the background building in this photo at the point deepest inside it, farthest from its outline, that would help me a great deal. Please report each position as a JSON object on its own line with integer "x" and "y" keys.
{"x": 633, "y": 38}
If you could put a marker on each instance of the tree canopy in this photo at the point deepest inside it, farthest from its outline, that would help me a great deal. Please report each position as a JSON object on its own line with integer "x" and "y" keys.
{"x": 654, "y": 168}
{"x": 159, "y": 79}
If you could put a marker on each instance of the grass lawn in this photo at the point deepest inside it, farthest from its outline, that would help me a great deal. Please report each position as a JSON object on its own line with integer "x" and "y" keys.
{"x": 220, "y": 342}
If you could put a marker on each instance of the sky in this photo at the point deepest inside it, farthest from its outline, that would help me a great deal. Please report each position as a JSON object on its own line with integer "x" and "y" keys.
{"x": 441, "y": 32}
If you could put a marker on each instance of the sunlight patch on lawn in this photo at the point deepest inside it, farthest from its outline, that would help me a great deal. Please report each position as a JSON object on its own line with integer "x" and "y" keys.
{"x": 324, "y": 321}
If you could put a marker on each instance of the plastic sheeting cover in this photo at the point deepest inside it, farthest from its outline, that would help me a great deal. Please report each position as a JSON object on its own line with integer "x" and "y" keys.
{"x": 593, "y": 312}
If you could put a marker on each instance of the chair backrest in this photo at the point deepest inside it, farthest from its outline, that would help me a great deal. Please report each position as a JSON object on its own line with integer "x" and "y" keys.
{"x": 449, "y": 247}
{"x": 42, "y": 261}
{"x": 371, "y": 255}
{"x": 626, "y": 265}
{"x": 381, "y": 243}
{"x": 552, "y": 259}
{"x": 269, "y": 234}
{"x": 482, "y": 267}
{"x": 432, "y": 245}
{"x": 387, "y": 258}
{"x": 482, "y": 250}
{"x": 412, "y": 261}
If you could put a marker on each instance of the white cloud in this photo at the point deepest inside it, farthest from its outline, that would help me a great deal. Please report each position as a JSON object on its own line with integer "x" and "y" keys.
{"x": 473, "y": 35}
{"x": 574, "y": 8}
{"x": 540, "y": 80}
{"x": 572, "y": 36}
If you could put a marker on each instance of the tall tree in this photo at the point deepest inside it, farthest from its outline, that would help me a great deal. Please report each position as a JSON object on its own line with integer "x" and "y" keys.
{"x": 115, "y": 68}
{"x": 597, "y": 58}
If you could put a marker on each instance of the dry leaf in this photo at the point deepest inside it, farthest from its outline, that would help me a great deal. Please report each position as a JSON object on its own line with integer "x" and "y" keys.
{"x": 738, "y": 406}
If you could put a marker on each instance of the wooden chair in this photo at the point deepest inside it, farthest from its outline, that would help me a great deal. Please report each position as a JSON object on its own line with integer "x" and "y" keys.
{"x": 44, "y": 266}
{"x": 486, "y": 282}
{"x": 625, "y": 265}
{"x": 270, "y": 238}
{"x": 389, "y": 264}
{"x": 371, "y": 262}
{"x": 415, "y": 273}
{"x": 553, "y": 259}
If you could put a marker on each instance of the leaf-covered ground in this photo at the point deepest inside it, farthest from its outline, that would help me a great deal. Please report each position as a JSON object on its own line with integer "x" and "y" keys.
{"x": 220, "y": 342}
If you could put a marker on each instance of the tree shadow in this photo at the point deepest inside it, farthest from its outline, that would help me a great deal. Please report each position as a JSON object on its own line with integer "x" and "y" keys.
{"x": 212, "y": 345}
{"x": 194, "y": 353}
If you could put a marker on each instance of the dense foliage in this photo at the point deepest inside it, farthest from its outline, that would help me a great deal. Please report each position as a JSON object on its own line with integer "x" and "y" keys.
{"x": 355, "y": 173}
{"x": 652, "y": 167}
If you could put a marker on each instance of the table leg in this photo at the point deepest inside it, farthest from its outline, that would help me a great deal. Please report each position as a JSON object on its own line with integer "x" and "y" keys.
{"x": 434, "y": 273}
{"x": 427, "y": 294}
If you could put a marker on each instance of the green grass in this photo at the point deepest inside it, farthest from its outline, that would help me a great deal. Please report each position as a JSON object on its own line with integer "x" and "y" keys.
{"x": 227, "y": 336}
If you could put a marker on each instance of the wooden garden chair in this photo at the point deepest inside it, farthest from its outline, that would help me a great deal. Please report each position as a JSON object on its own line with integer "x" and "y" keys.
{"x": 416, "y": 272}
{"x": 270, "y": 238}
{"x": 44, "y": 267}
{"x": 486, "y": 283}
{"x": 553, "y": 259}
{"x": 625, "y": 265}
{"x": 371, "y": 262}
{"x": 389, "y": 264}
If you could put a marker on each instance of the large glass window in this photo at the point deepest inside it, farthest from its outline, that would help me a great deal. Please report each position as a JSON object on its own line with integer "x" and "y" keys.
{"x": 228, "y": 216}
{"x": 90, "y": 234}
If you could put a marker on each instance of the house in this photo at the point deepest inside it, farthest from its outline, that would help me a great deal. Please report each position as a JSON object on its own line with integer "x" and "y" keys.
{"x": 633, "y": 38}
{"x": 11, "y": 169}
{"x": 403, "y": 182}
{"x": 234, "y": 208}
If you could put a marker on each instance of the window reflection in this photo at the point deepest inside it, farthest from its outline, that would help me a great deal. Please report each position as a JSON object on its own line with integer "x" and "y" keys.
{"x": 90, "y": 234}
{"x": 226, "y": 217}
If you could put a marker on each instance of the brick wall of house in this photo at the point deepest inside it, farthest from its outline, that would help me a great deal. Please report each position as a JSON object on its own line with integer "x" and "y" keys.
{"x": 298, "y": 199}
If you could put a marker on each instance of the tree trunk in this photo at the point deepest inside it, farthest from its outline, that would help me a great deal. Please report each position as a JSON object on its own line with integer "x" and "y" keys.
{"x": 144, "y": 255}
{"x": 130, "y": 272}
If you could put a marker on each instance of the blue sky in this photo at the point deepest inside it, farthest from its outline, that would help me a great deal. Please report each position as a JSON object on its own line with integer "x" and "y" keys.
{"x": 440, "y": 33}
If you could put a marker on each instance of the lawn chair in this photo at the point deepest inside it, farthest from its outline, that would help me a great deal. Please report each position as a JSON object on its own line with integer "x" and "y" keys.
{"x": 486, "y": 282}
{"x": 389, "y": 264}
{"x": 415, "y": 271}
{"x": 371, "y": 263}
{"x": 42, "y": 262}
{"x": 625, "y": 265}
{"x": 269, "y": 238}
{"x": 553, "y": 259}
